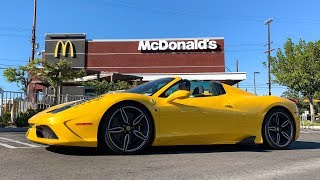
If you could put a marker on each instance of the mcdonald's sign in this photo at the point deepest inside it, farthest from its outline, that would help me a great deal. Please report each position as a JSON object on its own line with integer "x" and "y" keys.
{"x": 64, "y": 46}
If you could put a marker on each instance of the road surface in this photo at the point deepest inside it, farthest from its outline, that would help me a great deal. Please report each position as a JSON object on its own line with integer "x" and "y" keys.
{"x": 21, "y": 159}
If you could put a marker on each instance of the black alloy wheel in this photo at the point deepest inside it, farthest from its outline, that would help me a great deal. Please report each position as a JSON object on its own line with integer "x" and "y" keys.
{"x": 278, "y": 129}
{"x": 128, "y": 129}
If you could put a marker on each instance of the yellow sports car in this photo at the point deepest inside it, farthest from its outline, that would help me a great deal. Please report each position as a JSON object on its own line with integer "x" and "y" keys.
{"x": 169, "y": 111}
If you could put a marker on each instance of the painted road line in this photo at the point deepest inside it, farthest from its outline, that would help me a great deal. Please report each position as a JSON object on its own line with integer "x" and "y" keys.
{"x": 7, "y": 146}
{"x": 18, "y": 142}
{"x": 13, "y": 147}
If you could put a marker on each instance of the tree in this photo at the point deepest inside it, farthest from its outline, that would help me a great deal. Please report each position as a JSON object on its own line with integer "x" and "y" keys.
{"x": 102, "y": 87}
{"x": 317, "y": 103}
{"x": 293, "y": 95}
{"x": 297, "y": 66}
{"x": 317, "y": 95}
{"x": 56, "y": 73}
{"x": 22, "y": 75}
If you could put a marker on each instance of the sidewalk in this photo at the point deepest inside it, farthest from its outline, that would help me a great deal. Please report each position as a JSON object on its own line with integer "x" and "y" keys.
{"x": 311, "y": 127}
{"x": 14, "y": 129}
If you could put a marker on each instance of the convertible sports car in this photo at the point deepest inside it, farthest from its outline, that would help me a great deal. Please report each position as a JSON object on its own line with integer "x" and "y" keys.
{"x": 169, "y": 111}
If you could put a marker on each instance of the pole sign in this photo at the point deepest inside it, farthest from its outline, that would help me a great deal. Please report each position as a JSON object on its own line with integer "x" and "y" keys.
{"x": 164, "y": 45}
{"x": 71, "y": 47}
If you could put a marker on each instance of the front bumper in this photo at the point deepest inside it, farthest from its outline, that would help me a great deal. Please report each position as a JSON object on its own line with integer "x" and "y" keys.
{"x": 68, "y": 140}
{"x": 60, "y": 132}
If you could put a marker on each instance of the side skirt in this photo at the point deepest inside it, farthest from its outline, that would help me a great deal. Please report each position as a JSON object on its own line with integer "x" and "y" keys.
{"x": 248, "y": 141}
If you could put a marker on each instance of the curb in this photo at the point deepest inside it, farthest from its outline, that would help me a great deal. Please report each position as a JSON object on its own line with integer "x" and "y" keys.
{"x": 13, "y": 129}
{"x": 316, "y": 128}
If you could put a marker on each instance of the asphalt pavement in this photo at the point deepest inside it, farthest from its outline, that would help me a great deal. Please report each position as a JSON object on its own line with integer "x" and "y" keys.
{"x": 21, "y": 159}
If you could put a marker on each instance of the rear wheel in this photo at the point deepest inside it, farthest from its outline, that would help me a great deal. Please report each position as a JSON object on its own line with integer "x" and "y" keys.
{"x": 127, "y": 129}
{"x": 278, "y": 129}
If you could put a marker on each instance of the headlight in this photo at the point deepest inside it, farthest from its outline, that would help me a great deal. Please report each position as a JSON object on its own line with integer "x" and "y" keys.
{"x": 67, "y": 106}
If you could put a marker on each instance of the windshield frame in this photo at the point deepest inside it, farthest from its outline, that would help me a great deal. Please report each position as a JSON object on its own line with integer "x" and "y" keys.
{"x": 142, "y": 88}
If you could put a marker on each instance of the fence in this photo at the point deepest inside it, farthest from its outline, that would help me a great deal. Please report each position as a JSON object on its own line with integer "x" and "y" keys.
{"x": 16, "y": 102}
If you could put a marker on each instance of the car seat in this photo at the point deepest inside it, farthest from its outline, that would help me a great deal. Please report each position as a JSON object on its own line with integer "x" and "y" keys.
{"x": 197, "y": 91}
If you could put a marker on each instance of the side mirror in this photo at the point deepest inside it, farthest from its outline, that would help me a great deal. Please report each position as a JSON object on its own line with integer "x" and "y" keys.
{"x": 180, "y": 94}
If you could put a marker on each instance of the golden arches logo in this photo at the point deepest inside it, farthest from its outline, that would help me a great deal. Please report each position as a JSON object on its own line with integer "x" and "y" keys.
{"x": 64, "y": 47}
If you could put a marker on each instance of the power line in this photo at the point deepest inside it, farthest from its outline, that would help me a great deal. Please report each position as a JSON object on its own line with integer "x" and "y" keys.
{"x": 298, "y": 21}
{"x": 256, "y": 86}
{"x": 12, "y": 28}
{"x": 263, "y": 87}
{"x": 244, "y": 50}
{"x": 14, "y": 35}
{"x": 246, "y": 86}
{"x": 9, "y": 65}
{"x": 178, "y": 11}
{"x": 244, "y": 45}
{"x": 16, "y": 60}
{"x": 188, "y": 12}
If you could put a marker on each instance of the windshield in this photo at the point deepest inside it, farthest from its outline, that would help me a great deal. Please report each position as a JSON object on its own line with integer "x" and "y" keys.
{"x": 151, "y": 87}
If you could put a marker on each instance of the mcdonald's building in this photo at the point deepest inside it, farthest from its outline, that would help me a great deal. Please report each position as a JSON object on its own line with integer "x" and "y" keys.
{"x": 137, "y": 59}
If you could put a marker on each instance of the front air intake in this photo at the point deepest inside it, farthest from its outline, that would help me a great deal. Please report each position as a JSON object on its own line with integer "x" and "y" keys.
{"x": 45, "y": 132}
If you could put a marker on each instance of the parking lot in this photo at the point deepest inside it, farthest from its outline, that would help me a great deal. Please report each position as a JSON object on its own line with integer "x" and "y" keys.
{"x": 21, "y": 159}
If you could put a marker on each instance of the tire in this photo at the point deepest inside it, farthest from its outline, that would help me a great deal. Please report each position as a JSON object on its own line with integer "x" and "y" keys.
{"x": 127, "y": 129}
{"x": 278, "y": 129}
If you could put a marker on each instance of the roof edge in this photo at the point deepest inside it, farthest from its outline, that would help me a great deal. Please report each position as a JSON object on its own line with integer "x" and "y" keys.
{"x": 152, "y": 39}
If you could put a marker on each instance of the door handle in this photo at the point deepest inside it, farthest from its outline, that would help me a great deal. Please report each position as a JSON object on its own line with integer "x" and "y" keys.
{"x": 228, "y": 105}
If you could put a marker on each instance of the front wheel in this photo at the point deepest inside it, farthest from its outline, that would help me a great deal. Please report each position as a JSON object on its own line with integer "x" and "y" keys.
{"x": 127, "y": 129}
{"x": 278, "y": 129}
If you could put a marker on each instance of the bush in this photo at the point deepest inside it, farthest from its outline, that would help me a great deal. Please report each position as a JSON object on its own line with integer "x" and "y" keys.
{"x": 306, "y": 123}
{"x": 102, "y": 87}
{"x": 23, "y": 117}
{"x": 5, "y": 118}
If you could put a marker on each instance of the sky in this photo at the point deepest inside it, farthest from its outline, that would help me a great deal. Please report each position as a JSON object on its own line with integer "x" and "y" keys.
{"x": 241, "y": 23}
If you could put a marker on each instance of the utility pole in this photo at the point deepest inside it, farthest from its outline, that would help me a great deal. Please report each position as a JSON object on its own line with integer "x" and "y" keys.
{"x": 237, "y": 66}
{"x": 254, "y": 82}
{"x": 33, "y": 40}
{"x": 269, "y": 51}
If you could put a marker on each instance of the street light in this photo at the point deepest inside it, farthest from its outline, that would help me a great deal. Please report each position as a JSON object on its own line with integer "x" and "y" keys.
{"x": 254, "y": 81}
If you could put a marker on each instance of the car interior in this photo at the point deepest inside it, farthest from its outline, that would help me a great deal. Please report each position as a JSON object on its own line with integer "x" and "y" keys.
{"x": 197, "y": 88}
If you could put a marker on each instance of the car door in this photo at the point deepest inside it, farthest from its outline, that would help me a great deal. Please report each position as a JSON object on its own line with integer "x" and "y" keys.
{"x": 195, "y": 120}
{"x": 216, "y": 119}
{"x": 177, "y": 121}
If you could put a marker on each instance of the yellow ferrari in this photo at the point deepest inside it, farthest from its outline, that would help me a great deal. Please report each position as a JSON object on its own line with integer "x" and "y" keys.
{"x": 169, "y": 111}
